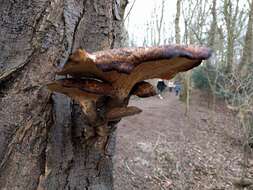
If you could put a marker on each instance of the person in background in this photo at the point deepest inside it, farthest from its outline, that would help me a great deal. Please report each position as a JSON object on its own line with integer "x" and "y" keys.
{"x": 171, "y": 86}
{"x": 177, "y": 88}
{"x": 161, "y": 87}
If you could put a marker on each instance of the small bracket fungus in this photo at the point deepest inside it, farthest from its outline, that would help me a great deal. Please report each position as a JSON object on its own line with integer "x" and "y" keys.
{"x": 112, "y": 76}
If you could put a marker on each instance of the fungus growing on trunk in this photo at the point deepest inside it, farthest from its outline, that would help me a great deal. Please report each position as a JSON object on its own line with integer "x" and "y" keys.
{"x": 143, "y": 90}
{"x": 112, "y": 76}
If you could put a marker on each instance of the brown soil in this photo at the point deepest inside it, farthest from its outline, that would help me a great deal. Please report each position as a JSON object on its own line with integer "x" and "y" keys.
{"x": 161, "y": 148}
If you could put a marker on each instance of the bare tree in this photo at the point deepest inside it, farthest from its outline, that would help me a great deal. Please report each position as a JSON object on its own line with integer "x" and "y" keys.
{"x": 159, "y": 23}
{"x": 213, "y": 29}
{"x": 156, "y": 24}
{"x": 231, "y": 13}
{"x": 238, "y": 94}
{"x": 247, "y": 57}
{"x": 192, "y": 28}
{"x": 177, "y": 22}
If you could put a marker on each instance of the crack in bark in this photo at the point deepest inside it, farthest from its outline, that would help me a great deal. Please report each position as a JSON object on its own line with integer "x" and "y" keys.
{"x": 77, "y": 25}
{"x": 65, "y": 42}
{"x": 9, "y": 74}
{"x": 39, "y": 19}
{"x": 42, "y": 122}
{"x": 113, "y": 39}
{"x": 88, "y": 183}
{"x": 13, "y": 73}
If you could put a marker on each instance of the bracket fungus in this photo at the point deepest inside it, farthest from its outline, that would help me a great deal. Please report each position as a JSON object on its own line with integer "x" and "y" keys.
{"x": 110, "y": 77}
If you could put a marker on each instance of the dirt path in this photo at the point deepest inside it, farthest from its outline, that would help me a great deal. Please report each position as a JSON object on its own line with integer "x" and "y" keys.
{"x": 163, "y": 149}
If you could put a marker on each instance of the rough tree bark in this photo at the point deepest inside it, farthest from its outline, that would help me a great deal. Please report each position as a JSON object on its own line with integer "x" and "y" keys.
{"x": 42, "y": 136}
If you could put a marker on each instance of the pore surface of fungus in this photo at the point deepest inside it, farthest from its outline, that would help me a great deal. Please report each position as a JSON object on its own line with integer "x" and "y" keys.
{"x": 112, "y": 76}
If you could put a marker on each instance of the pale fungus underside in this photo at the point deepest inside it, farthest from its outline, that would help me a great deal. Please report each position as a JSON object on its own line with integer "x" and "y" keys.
{"x": 110, "y": 77}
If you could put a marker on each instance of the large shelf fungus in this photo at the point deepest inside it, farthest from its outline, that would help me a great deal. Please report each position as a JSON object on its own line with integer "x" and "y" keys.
{"x": 112, "y": 76}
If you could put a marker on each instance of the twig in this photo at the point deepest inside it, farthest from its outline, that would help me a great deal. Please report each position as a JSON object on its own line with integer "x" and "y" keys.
{"x": 131, "y": 171}
{"x": 129, "y": 11}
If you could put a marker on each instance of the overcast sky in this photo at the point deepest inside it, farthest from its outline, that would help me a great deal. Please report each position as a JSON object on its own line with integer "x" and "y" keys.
{"x": 141, "y": 13}
{"x": 142, "y": 9}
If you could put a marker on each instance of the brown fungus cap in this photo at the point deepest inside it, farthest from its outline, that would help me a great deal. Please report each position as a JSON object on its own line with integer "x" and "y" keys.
{"x": 125, "y": 67}
{"x": 91, "y": 86}
{"x": 119, "y": 112}
{"x": 143, "y": 89}
{"x": 119, "y": 73}
{"x": 125, "y": 60}
{"x": 86, "y": 92}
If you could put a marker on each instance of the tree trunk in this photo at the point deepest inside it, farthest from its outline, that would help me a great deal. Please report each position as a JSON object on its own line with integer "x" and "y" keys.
{"x": 247, "y": 57}
{"x": 230, "y": 20}
{"x": 159, "y": 24}
{"x": 43, "y": 142}
{"x": 213, "y": 28}
{"x": 177, "y": 22}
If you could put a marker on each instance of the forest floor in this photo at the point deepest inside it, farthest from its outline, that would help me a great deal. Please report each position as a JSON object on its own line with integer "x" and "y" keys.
{"x": 161, "y": 148}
